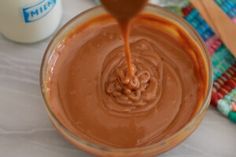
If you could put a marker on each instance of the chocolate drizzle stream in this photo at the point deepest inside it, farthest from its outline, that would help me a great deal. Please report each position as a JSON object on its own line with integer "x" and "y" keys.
{"x": 128, "y": 82}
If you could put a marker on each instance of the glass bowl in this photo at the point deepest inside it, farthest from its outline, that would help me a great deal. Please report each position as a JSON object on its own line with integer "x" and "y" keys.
{"x": 108, "y": 151}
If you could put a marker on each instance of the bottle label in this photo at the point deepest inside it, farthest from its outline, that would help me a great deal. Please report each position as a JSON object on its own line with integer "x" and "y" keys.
{"x": 38, "y": 10}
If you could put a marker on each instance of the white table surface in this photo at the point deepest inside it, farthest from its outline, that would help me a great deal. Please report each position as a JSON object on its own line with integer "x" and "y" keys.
{"x": 25, "y": 130}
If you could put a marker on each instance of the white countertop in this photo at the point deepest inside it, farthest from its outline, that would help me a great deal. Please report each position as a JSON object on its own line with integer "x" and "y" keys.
{"x": 25, "y": 130}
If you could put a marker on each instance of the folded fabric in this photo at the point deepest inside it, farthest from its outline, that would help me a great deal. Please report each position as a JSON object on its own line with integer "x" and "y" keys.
{"x": 224, "y": 63}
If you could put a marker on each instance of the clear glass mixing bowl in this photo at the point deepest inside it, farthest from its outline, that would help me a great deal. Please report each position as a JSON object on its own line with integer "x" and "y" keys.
{"x": 107, "y": 151}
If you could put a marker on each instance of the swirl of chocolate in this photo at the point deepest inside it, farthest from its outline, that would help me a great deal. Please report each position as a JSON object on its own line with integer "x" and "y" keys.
{"x": 125, "y": 95}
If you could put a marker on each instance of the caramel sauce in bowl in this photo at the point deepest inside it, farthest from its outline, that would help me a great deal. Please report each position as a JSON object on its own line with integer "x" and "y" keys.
{"x": 85, "y": 103}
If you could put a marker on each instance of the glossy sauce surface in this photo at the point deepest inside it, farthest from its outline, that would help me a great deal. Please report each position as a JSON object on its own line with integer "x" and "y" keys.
{"x": 87, "y": 82}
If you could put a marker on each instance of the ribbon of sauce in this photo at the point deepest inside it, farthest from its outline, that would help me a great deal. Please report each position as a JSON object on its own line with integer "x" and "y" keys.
{"x": 124, "y": 11}
{"x": 128, "y": 83}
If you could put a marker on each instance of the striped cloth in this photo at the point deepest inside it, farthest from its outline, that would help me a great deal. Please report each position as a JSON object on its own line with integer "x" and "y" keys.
{"x": 224, "y": 63}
